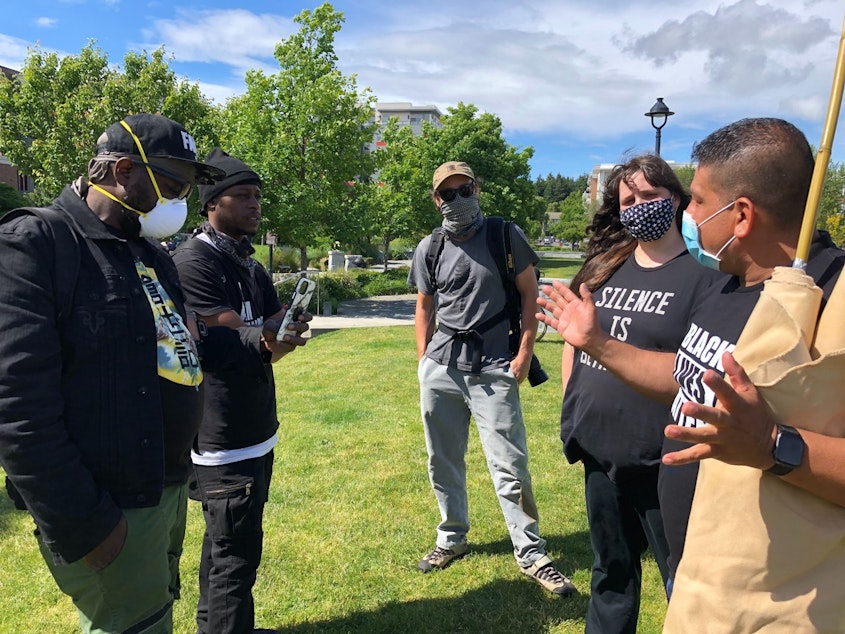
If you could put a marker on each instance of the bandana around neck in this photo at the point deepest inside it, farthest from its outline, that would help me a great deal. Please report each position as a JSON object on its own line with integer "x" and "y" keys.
{"x": 240, "y": 252}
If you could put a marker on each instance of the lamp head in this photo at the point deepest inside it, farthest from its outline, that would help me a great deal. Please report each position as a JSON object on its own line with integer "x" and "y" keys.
{"x": 659, "y": 113}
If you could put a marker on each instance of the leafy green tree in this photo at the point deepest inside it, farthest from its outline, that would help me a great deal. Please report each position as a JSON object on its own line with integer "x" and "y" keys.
{"x": 400, "y": 197}
{"x": 685, "y": 174}
{"x": 406, "y": 165}
{"x": 574, "y": 219}
{"x": 304, "y": 129}
{"x": 10, "y": 198}
{"x": 52, "y": 113}
{"x": 832, "y": 204}
{"x": 831, "y": 215}
{"x": 556, "y": 188}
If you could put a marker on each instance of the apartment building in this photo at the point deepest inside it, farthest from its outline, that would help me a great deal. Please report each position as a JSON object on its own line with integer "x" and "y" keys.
{"x": 406, "y": 114}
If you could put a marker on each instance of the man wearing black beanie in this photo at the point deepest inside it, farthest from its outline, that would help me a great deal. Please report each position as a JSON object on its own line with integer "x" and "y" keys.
{"x": 233, "y": 453}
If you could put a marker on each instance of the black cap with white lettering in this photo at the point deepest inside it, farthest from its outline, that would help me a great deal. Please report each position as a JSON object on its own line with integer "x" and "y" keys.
{"x": 155, "y": 136}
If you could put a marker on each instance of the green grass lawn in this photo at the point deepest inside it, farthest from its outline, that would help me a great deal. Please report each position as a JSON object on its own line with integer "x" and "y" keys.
{"x": 559, "y": 267}
{"x": 351, "y": 513}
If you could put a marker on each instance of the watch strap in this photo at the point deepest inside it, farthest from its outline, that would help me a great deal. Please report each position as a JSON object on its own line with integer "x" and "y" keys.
{"x": 781, "y": 468}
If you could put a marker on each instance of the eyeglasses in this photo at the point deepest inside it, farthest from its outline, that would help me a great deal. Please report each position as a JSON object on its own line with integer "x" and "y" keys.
{"x": 185, "y": 187}
{"x": 448, "y": 195}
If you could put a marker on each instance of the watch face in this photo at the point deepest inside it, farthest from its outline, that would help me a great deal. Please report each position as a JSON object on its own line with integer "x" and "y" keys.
{"x": 790, "y": 448}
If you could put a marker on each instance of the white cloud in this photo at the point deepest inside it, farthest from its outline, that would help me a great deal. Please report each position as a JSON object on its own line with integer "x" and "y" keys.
{"x": 46, "y": 22}
{"x": 556, "y": 66}
{"x": 12, "y": 51}
{"x": 239, "y": 38}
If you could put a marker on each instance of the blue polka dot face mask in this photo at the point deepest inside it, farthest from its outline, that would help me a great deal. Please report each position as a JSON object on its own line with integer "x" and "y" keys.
{"x": 650, "y": 220}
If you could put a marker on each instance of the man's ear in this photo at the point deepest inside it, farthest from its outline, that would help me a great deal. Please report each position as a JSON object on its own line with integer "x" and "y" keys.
{"x": 436, "y": 198}
{"x": 745, "y": 214}
{"x": 123, "y": 171}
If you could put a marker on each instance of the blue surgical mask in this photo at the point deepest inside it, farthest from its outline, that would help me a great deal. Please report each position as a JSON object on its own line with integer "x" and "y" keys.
{"x": 692, "y": 239}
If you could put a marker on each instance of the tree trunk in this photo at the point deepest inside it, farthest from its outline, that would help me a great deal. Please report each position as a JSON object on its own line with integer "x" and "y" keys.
{"x": 303, "y": 258}
{"x": 386, "y": 251}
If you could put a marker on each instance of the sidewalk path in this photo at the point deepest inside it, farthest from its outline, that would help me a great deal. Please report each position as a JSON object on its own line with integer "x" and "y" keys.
{"x": 384, "y": 310}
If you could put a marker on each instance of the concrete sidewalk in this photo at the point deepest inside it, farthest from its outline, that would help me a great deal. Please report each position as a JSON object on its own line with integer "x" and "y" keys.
{"x": 370, "y": 312}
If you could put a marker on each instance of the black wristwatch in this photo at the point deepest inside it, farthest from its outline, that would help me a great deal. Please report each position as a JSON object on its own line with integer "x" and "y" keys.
{"x": 788, "y": 451}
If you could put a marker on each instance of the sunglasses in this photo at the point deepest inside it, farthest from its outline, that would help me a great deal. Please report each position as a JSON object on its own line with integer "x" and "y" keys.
{"x": 448, "y": 195}
{"x": 185, "y": 187}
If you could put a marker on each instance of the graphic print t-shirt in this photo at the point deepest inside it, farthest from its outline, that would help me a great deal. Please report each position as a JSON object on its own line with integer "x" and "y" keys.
{"x": 601, "y": 416}
{"x": 178, "y": 360}
{"x": 714, "y": 328}
{"x": 180, "y": 374}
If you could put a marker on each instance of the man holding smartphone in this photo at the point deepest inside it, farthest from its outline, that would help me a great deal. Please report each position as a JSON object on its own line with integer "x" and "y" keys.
{"x": 233, "y": 453}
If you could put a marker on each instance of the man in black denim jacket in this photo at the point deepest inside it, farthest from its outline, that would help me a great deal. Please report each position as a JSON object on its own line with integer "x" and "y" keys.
{"x": 100, "y": 400}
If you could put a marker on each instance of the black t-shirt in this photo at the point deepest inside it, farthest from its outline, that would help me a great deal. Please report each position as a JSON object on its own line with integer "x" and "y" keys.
{"x": 716, "y": 322}
{"x": 240, "y": 410}
{"x": 601, "y": 416}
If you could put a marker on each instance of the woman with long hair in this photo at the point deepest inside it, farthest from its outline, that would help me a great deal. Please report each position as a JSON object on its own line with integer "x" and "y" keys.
{"x": 643, "y": 282}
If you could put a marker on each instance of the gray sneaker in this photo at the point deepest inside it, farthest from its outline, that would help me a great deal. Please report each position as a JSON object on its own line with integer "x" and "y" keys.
{"x": 547, "y": 575}
{"x": 439, "y": 558}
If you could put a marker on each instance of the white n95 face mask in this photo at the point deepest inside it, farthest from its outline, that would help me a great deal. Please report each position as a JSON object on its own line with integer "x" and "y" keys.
{"x": 165, "y": 219}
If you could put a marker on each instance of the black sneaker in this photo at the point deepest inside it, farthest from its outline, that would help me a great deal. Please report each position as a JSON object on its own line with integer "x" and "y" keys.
{"x": 547, "y": 575}
{"x": 439, "y": 558}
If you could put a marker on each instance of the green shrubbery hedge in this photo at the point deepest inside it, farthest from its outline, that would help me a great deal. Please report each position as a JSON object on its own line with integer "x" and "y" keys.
{"x": 339, "y": 286}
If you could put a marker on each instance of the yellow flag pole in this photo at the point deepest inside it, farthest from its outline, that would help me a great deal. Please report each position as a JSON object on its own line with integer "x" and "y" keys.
{"x": 822, "y": 159}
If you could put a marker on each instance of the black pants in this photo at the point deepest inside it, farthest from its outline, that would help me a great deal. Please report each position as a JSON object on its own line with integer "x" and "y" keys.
{"x": 624, "y": 520}
{"x": 233, "y": 498}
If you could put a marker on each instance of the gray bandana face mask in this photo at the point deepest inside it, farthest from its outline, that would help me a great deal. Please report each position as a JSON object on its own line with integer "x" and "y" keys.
{"x": 462, "y": 216}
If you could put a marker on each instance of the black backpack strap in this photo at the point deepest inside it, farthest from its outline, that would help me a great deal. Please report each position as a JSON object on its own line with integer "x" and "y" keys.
{"x": 435, "y": 248}
{"x": 66, "y": 253}
{"x": 499, "y": 243}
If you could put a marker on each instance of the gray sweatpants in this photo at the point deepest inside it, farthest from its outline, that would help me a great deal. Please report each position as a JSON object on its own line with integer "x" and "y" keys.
{"x": 448, "y": 397}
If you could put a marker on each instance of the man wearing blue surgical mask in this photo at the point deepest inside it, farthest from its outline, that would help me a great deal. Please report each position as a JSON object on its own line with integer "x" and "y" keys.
{"x": 100, "y": 377}
{"x": 748, "y": 198}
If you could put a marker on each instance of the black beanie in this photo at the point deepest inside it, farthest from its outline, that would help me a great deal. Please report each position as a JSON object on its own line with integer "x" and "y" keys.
{"x": 237, "y": 173}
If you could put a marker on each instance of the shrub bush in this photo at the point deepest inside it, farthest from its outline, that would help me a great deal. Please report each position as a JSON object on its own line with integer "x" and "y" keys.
{"x": 339, "y": 286}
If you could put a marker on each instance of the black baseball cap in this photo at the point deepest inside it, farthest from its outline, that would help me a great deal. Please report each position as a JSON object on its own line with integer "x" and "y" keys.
{"x": 159, "y": 137}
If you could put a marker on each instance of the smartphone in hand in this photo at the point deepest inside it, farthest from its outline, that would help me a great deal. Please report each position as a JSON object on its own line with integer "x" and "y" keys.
{"x": 299, "y": 300}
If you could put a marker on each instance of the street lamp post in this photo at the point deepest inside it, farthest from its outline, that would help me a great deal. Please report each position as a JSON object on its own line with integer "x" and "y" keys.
{"x": 658, "y": 114}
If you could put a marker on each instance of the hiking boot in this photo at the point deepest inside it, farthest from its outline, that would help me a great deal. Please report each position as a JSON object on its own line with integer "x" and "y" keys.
{"x": 547, "y": 575}
{"x": 439, "y": 558}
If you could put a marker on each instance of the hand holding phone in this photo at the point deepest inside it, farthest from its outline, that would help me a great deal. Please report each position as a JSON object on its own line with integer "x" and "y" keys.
{"x": 299, "y": 300}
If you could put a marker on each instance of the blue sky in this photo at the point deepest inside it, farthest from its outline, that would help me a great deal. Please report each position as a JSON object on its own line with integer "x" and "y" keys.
{"x": 572, "y": 79}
